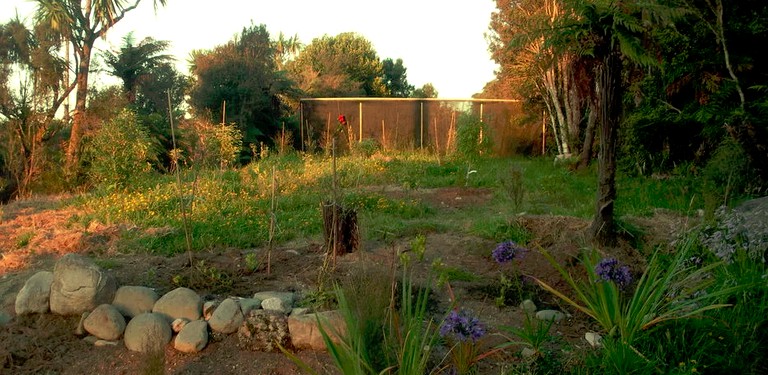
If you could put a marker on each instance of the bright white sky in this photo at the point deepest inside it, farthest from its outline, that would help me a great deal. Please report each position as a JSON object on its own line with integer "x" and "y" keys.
{"x": 440, "y": 41}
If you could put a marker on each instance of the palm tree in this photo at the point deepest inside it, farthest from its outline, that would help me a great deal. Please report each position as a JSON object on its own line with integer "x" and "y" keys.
{"x": 133, "y": 62}
{"x": 286, "y": 48}
{"x": 610, "y": 32}
{"x": 81, "y": 22}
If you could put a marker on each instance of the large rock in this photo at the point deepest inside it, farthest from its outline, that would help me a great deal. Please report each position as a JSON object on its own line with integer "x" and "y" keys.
{"x": 263, "y": 330}
{"x": 276, "y": 304}
{"x": 34, "y": 297}
{"x": 134, "y": 300}
{"x": 305, "y": 333}
{"x": 105, "y": 322}
{"x": 193, "y": 337}
{"x": 79, "y": 285}
{"x": 227, "y": 318}
{"x": 148, "y": 332}
{"x": 179, "y": 303}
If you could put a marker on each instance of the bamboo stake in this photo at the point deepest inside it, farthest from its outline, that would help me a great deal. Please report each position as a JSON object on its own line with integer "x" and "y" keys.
{"x": 184, "y": 219}
{"x": 272, "y": 222}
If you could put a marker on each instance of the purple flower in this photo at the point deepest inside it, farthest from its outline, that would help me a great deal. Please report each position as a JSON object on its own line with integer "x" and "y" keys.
{"x": 507, "y": 251}
{"x": 462, "y": 326}
{"x": 609, "y": 270}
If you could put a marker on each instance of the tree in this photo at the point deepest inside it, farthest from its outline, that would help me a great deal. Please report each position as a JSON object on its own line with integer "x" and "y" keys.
{"x": 609, "y": 32}
{"x": 27, "y": 107}
{"x": 134, "y": 63}
{"x": 530, "y": 68}
{"x": 81, "y": 22}
{"x": 238, "y": 83}
{"x": 395, "y": 78}
{"x": 426, "y": 91}
{"x": 286, "y": 49}
{"x": 737, "y": 27}
{"x": 341, "y": 65}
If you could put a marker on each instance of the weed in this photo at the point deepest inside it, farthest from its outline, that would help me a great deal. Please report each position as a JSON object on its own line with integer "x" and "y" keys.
{"x": 23, "y": 239}
{"x": 252, "y": 262}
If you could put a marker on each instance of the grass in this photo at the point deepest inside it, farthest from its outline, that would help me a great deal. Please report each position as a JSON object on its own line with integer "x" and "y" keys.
{"x": 230, "y": 208}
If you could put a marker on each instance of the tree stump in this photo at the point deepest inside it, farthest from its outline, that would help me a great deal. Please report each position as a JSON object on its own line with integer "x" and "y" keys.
{"x": 344, "y": 222}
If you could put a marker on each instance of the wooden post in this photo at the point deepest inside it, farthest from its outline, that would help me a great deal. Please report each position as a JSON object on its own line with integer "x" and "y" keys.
{"x": 543, "y": 132}
{"x": 421, "y": 124}
{"x": 383, "y": 136}
{"x": 301, "y": 123}
{"x": 360, "y": 112}
{"x": 481, "y": 112}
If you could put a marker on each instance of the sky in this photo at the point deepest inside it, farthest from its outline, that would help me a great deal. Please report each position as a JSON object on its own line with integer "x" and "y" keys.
{"x": 440, "y": 41}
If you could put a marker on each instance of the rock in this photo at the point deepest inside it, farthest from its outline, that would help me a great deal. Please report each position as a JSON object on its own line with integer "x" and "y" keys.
{"x": 227, "y": 318}
{"x": 262, "y": 330}
{"x": 193, "y": 337}
{"x": 208, "y": 308}
{"x": 296, "y": 311}
{"x": 80, "y": 330}
{"x": 101, "y": 343}
{"x": 35, "y": 296}
{"x": 528, "y": 306}
{"x": 179, "y": 324}
{"x": 305, "y": 333}
{"x": 248, "y": 304}
{"x": 179, "y": 303}
{"x": 276, "y": 304}
{"x": 105, "y": 322}
{"x": 553, "y": 315}
{"x": 528, "y": 353}
{"x": 287, "y": 297}
{"x": 148, "y": 332}
{"x": 134, "y": 300}
{"x": 594, "y": 339}
{"x": 79, "y": 285}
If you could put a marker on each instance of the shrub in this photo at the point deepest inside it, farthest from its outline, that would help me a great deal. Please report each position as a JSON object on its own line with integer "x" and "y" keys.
{"x": 472, "y": 137}
{"x": 726, "y": 175}
{"x": 121, "y": 151}
{"x": 212, "y": 145}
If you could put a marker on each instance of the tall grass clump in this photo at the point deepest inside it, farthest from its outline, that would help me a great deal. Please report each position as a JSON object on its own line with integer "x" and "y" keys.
{"x": 121, "y": 152}
{"x": 391, "y": 335}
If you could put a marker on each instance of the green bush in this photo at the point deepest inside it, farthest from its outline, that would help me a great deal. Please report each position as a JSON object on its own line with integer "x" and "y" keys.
{"x": 472, "y": 137}
{"x": 726, "y": 175}
{"x": 212, "y": 145}
{"x": 120, "y": 152}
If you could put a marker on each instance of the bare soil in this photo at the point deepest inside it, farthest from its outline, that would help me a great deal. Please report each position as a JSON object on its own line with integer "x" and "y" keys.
{"x": 36, "y": 232}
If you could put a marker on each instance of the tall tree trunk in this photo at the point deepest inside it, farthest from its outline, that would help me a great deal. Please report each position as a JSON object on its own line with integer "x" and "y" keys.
{"x": 589, "y": 136}
{"x": 602, "y": 229}
{"x": 78, "y": 119}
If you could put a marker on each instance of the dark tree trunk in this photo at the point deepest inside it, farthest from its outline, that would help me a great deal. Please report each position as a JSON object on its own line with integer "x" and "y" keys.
{"x": 602, "y": 229}
{"x": 589, "y": 139}
{"x": 340, "y": 228}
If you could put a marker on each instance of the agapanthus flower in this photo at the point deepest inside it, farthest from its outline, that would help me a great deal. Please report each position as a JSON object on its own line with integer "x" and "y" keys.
{"x": 462, "y": 327}
{"x": 507, "y": 251}
{"x": 609, "y": 270}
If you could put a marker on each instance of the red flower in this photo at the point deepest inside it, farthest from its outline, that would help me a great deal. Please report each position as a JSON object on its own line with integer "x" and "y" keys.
{"x": 342, "y": 120}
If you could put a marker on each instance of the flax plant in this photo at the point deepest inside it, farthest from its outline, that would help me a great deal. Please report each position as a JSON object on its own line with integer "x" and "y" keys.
{"x": 667, "y": 290}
